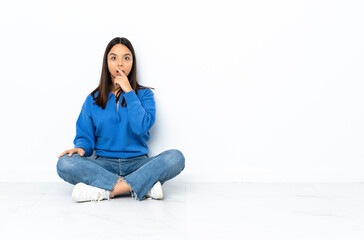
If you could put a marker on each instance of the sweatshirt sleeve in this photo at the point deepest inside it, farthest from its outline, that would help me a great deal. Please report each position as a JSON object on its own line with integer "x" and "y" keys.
{"x": 85, "y": 135}
{"x": 141, "y": 113}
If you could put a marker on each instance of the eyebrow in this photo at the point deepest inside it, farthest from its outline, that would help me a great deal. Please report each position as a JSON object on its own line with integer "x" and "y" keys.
{"x": 116, "y": 54}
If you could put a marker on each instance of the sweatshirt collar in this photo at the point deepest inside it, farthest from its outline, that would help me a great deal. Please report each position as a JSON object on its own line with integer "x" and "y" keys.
{"x": 111, "y": 94}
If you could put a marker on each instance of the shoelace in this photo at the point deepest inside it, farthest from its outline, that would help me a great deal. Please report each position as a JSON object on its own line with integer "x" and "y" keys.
{"x": 97, "y": 196}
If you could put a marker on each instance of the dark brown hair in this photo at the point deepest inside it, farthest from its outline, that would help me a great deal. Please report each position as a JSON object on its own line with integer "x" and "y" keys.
{"x": 106, "y": 85}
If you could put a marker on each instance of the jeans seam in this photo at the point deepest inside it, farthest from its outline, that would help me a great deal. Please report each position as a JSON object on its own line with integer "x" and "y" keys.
{"x": 120, "y": 167}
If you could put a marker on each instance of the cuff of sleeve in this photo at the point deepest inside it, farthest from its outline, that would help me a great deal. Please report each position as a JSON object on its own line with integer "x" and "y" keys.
{"x": 131, "y": 97}
{"x": 87, "y": 152}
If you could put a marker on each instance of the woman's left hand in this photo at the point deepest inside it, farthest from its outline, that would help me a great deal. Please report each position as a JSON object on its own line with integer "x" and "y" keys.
{"x": 122, "y": 81}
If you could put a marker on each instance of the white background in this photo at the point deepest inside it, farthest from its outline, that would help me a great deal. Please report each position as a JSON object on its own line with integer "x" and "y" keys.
{"x": 249, "y": 91}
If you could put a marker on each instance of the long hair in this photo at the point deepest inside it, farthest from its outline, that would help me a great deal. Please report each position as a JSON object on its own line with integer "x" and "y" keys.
{"x": 106, "y": 85}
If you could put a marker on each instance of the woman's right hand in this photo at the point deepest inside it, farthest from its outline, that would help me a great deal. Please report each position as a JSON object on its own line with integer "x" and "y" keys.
{"x": 80, "y": 151}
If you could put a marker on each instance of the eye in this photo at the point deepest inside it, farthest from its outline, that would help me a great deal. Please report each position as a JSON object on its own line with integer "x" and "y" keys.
{"x": 127, "y": 58}
{"x": 112, "y": 57}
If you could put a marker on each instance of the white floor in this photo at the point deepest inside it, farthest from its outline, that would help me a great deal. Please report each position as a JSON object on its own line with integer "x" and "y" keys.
{"x": 188, "y": 211}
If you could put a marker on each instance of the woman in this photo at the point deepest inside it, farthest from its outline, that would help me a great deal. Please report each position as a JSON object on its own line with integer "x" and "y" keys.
{"x": 118, "y": 133}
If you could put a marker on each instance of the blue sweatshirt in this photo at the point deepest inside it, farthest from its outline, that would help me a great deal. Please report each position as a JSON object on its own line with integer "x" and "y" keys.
{"x": 112, "y": 133}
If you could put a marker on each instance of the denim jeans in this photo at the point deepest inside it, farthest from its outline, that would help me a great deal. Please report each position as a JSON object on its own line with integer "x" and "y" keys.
{"x": 140, "y": 172}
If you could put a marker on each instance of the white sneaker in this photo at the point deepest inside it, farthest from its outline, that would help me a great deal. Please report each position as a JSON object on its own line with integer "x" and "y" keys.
{"x": 156, "y": 192}
{"x": 83, "y": 193}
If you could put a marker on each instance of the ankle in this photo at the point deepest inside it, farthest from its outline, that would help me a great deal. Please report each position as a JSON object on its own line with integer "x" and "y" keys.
{"x": 111, "y": 194}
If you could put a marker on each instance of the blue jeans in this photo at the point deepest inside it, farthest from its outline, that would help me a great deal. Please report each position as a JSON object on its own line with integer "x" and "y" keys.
{"x": 140, "y": 172}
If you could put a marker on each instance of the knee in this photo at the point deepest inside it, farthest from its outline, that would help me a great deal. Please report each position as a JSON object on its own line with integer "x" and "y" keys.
{"x": 177, "y": 158}
{"x": 64, "y": 164}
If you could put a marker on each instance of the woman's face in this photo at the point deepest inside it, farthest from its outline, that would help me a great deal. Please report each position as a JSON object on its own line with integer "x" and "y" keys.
{"x": 119, "y": 56}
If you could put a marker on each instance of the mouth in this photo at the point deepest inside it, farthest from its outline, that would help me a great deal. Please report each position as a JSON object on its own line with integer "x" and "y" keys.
{"x": 118, "y": 73}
